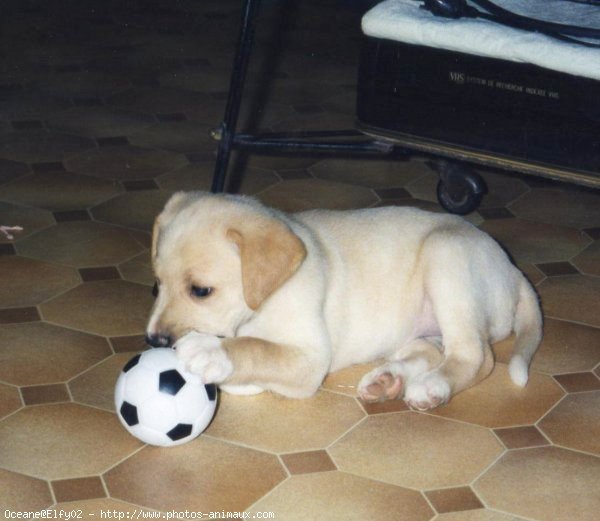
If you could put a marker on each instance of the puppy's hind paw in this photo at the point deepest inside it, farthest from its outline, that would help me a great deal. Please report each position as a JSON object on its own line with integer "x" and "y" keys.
{"x": 427, "y": 392}
{"x": 380, "y": 385}
{"x": 204, "y": 355}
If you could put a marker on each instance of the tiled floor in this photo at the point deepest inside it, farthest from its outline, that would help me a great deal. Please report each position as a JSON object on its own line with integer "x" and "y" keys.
{"x": 105, "y": 109}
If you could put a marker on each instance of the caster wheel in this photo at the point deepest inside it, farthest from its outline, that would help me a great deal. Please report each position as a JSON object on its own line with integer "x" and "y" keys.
{"x": 459, "y": 189}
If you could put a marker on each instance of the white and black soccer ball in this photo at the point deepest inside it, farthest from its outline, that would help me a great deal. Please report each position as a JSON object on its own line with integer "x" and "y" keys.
{"x": 161, "y": 403}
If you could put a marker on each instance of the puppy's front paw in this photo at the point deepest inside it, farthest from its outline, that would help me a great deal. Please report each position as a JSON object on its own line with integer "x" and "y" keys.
{"x": 427, "y": 392}
{"x": 380, "y": 384}
{"x": 204, "y": 355}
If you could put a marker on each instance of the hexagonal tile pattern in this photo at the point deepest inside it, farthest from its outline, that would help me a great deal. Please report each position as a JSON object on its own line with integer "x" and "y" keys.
{"x": 134, "y": 209}
{"x": 125, "y": 162}
{"x": 570, "y": 425}
{"x": 576, "y": 208}
{"x": 573, "y": 297}
{"x": 195, "y": 473}
{"x": 498, "y": 402}
{"x": 40, "y": 146}
{"x": 181, "y": 136}
{"x": 59, "y": 191}
{"x": 77, "y": 441}
{"x": 30, "y": 219}
{"x": 37, "y": 353}
{"x": 338, "y": 496}
{"x": 531, "y": 483}
{"x": 32, "y": 282}
{"x": 407, "y": 441}
{"x": 369, "y": 173}
{"x": 306, "y": 194}
{"x": 23, "y": 493}
{"x": 81, "y": 244}
{"x": 256, "y": 421}
{"x": 138, "y": 269}
{"x": 534, "y": 242}
{"x": 99, "y": 121}
{"x": 109, "y": 308}
{"x": 96, "y": 387}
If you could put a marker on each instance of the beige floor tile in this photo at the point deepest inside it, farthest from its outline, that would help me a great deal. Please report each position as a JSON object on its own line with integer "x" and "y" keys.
{"x": 81, "y": 244}
{"x": 96, "y": 387}
{"x": 543, "y": 483}
{"x": 588, "y": 261}
{"x": 204, "y": 475}
{"x": 98, "y": 121}
{"x": 119, "y": 308}
{"x": 369, "y": 173}
{"x": 31, "y": 282}
{"x": 63, "y": 441}
{"x": 534, "y": 242}
{"x": 59, "y": 191}
{"x": 30, "y": 219}
{"x": 337, "y": 496}
{"x": 575, "y": 422}
{"x": 10, "y": 400}
{"x": 37, "y": 146}
{"x": 180, "y": 136}
{"x": 477, "y": 515}
{"x": 125, "y": 162}
{"x": 20, "y": 493}
{"x": 133, "y": 210}
{"x": 416, "y": 450}
{"x": 31, "y": 352}
{"x": 573, "y": 297}
{"x": 138, "y": 269}
{"x": 498, "y": 402}
{"x": 346, "y": 380}
{"x": 273, "y": 423}
{"x": 297, "y": 195}
{"x": 95, "y": 508}
{"x": 576, "y": 208}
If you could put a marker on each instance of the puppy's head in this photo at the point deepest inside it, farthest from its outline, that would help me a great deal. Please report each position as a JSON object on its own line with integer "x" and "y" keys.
{"x": 216, "y": 259}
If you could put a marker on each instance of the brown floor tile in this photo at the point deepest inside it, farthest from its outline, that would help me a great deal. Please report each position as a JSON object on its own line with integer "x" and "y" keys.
{"x": 576, "y": 208}
{"x": 369, "y": 173}
{"x": 39, "y": 145}
{"x": 477, "y": 515}
{"x": 10, "y": 400}
{"x": 204, "y": 475}
{"x": 384, "y": 407}
{"x": 179, "y": 137}
{"x": 78, "y": 489}
{"x": 128, "y": 343}
{"x": 31, "y": 351}
{"x": 75, "y": 441}
{"x": 521, "y": 437}
{"x": 81, "y": 244}
{"x": 578, "y": 382}
{"x": 38, "y": 394}
{"x": 120, "y": 308}
{"x": 125, "y": 162}
{"x": 453, "y": 499}
{"x": 376, "y": 448}
{"x": 59, "y": 191}
{"x": 572, "y": 297}
{"x": 543, "y": 483}
{"x": 10, "y": 170}
{"x": 273, "y": 423}
{"x": 23, "y": 493}
{"x": 138, "y": 269}
{"x": 96, "y": 387}
{"x": 574, "y": 422}
{"x": 16, "y": 315}
{"x": 337, "y": 496}
{"x": 307, "y": 462}
{"x": 305, "y": 194}
{"x": 32, "y": 281}
{"x": 533, "y": 242}
{"x": 94, "y": 274}
{"x": 588, "y": 261}
{"x": 498, "y": 402}
{"x": 555, "y": 269}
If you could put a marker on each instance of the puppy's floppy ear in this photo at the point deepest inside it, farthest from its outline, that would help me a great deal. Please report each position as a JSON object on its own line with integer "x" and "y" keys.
{"x": 271, "y": 253}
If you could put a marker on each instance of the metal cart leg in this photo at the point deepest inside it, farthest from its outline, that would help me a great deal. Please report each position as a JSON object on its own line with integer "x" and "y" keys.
{"x": 225, "y": 133}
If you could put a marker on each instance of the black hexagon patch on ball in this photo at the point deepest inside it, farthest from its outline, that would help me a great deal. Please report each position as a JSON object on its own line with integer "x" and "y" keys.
{"x": 129, "y": 414}
{"x": 170, "y": 382}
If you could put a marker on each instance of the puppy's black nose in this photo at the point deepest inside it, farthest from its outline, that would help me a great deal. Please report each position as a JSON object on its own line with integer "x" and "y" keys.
{"x": 158, "y": 340}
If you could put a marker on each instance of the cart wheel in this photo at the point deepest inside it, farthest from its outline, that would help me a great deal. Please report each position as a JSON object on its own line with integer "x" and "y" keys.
{"x": 459, "y": 189}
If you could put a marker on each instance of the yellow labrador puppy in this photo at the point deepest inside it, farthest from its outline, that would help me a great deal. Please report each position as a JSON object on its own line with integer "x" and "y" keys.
{"x": 255, "y": 299}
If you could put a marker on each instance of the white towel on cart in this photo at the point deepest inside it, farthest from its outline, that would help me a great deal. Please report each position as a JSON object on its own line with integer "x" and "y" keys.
{"x": 405, "y": 21}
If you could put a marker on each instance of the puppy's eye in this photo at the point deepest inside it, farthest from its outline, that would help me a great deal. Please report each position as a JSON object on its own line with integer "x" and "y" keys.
{"x": 201, "y": 291}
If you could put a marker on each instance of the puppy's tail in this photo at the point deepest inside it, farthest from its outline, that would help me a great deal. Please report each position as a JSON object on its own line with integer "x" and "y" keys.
{"x": 528, "y": 332}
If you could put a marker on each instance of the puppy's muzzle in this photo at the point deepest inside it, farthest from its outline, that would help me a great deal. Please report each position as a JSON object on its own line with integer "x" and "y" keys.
{"x": 159, "y": 340}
